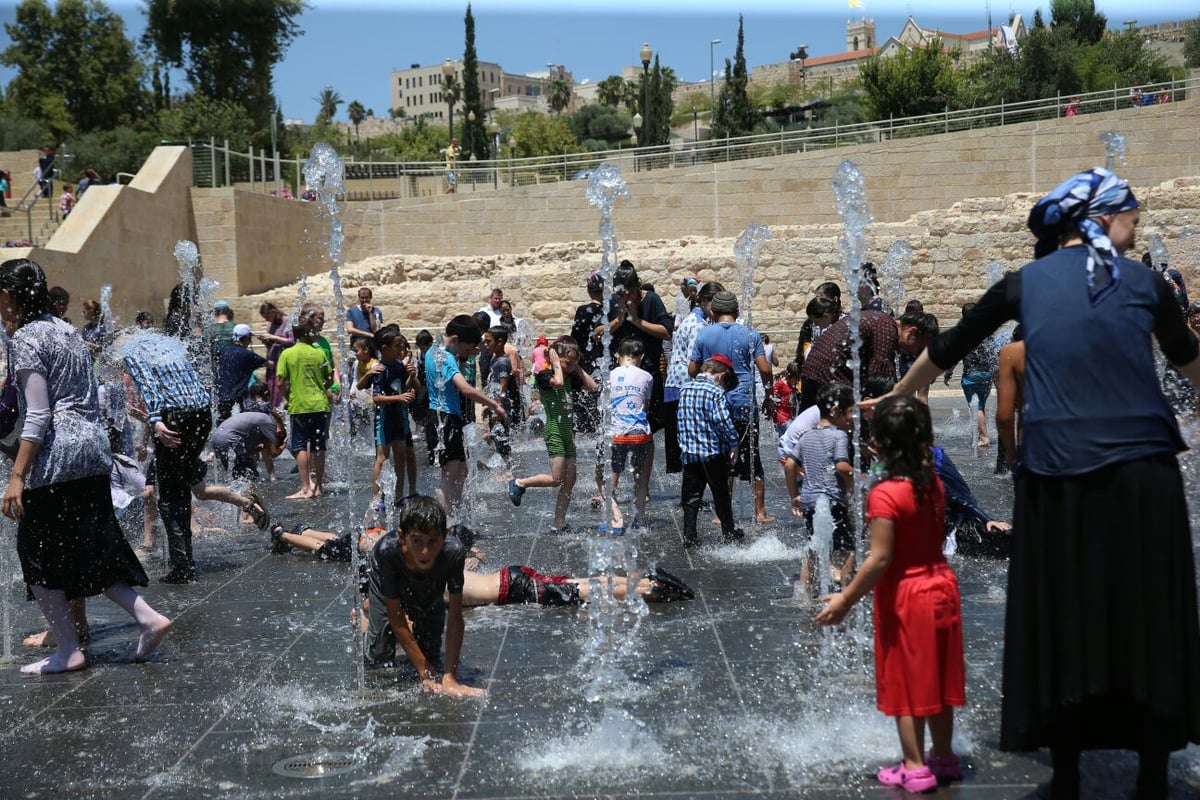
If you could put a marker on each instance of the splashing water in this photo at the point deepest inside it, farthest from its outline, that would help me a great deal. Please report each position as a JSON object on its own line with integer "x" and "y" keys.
{"x": 325, "y": 174}
{"x": 850, "y": 195}
{"x": 1159, "y": 257}
{"x": 896, "y": 267}
{"x": 1114, "y": 149}
{"x": 995, "y": 271}
{"x": 604, "y": 187}
{"x": 745, "y": 250}
{"x": 107, "y": 320}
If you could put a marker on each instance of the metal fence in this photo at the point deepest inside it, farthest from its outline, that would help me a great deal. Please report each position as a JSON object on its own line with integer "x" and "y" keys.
{"x": 217, "y": 165}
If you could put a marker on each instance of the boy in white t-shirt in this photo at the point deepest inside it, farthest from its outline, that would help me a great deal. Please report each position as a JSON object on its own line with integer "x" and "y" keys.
{"x": 629, "y": 391}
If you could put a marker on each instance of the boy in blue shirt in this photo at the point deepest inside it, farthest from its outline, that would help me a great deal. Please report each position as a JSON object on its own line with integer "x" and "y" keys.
{"x": 447, "y": 387}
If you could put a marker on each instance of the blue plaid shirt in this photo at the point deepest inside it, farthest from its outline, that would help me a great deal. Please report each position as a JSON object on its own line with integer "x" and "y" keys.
{"x": 705, "y": 427}
{"x": 171, "y": 386}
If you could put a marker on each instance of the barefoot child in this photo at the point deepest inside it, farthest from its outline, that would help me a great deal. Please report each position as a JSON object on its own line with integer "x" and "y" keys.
{"x": 918, "y": 622}
{"x": 408, "y": 570}
{"x": 393, "y": 387}
{"x": 825, "y": 460}
{"x": 554, "y": 387}
{"x": 305, "y": 376}
{"x": 629, "y": 392}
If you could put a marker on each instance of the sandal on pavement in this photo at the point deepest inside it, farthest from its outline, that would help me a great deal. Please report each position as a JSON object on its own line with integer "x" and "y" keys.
{"x": 258, "y": 511}
{"x": 916, "y": 780}
{"x": 668, "y": 588}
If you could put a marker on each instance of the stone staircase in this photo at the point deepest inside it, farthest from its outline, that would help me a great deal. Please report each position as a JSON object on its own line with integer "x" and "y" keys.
{"x": 15, "y": 226}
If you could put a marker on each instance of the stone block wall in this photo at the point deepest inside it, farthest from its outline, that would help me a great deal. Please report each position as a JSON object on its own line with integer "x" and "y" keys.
{"x": 903, "y": 177}
{"x": 952, "y": 249}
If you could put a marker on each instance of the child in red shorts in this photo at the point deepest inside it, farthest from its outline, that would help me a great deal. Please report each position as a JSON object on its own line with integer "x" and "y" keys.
{"x": 919, "y": 673}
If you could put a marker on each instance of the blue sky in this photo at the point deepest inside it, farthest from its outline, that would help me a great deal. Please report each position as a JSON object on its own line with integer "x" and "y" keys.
{"x": 353, "y": 45}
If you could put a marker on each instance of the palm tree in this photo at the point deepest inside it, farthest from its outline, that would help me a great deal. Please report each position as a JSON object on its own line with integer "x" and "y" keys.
{"x": 357, "y": 114}
{"x": 631, "y": 96}
{"x": 611, "y": 90}
{"x": 558, "y": 95}
{"x": 327, "y": 103}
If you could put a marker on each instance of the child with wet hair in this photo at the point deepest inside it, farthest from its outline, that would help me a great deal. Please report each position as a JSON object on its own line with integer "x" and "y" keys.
{"x": 408, "y": 571}
{"x": 917, "y": 611}
{"x": 708, "y": 444}
{"x": 555, "y": 385}
{"x": 825, "y": 459}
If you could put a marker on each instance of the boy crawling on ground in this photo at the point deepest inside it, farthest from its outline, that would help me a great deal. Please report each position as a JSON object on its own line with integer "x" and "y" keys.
{"x": 408, "y": 570}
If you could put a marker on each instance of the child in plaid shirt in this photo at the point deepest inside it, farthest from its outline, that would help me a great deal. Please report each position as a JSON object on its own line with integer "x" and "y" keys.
{"x": 708, "y": 444}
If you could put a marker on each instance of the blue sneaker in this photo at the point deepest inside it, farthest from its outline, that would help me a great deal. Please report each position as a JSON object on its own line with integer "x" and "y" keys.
{"x": 515, "y": 492}
{"x": 616, "y": 529}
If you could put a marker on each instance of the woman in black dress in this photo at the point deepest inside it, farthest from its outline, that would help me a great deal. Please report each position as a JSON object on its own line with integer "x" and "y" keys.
{"x": 1102, "y": 642}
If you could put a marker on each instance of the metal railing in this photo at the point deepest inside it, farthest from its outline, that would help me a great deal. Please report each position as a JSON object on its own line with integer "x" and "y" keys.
{"x": 260, "y": 171}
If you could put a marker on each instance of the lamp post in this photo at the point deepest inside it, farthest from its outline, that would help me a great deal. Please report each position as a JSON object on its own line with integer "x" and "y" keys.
{"x": 512, "y": 150}
{"x": 802, "y": 50}
{"x": 646, "y": 54}
{"x": 712, "y": 85}
{"x": 447, "y": 78}
{"x": 495, "y": 131}
{"x": 471, "y": 131}
{"x": 695, "y": 126}
{"x": 637, "y": 126}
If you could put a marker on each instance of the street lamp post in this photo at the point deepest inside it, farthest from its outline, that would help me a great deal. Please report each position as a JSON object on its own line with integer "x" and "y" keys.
{"x": 512, "y": 150}
{"x": 447, "y": 78}
{"x": 646, "y": 54}
{"x": 495, "y": 131}
{"x": 712, "y": 85}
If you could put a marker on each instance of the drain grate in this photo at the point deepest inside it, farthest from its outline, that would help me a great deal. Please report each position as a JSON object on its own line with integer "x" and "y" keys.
{"x": 321, "y": 764}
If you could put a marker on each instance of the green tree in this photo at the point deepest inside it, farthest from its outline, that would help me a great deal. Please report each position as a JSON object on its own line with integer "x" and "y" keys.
{"x": 1048, "y": 64}
{"x": 920, "y": 80}
{"x": 558, "y": 94}
{"x": 76, "y": 68}
{"x": 1080, "y": 17}
{"x": 474, "y": 133}
{"x": 631, "y": 96}
{"x": 541, "y": 135}
{"x": 121, "y": 149}
{"x": 611, "y": 90}
{"x": 598, "y": 127}
{"x": 799, "y": 54}
{"x": 357, "y": 114}
{"x": 197, "y": 117}
{"x": 1191, "y": 44}
{"x": 227, "y": 48}
{"x": 735, "y": 115}
{"x": 419, "y": 141}
{"x": 1121, "y": 59}
{"x": 662, "y": 84}
{"x": 327, "y": 105}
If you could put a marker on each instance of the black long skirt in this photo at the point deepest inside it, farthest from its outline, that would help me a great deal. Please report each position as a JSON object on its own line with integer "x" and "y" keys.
{"x": 1102, "y": 640}
{"x": 69, "y": 539}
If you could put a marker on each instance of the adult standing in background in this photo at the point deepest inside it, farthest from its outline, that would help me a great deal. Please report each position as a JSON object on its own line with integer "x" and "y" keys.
{"x": 587, "y": 329}
{"x": 365, "y": 318}
{"x": 677, "y": 369}
{"x": 1102, "y": 638}
{"x": 634, "y": 311}
{"x": 492, "y": 309}
{"x": 44, "y": 174}
{"x": 744, "y": 348}
{"x": 68, "y": 539}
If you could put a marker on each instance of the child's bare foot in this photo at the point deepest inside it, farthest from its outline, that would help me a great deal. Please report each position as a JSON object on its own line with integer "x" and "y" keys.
{"x": 151, "y": 636}
{"x": 763, "y": 519}
{"x": 300, "y": 495}
{"x": 43, "y": 639}
{"x": 984, "y": 441}
{"x": 59, "y": 662}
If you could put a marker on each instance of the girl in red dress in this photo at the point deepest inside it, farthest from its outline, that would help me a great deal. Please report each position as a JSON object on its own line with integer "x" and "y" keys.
{"x": 918, "y": 622}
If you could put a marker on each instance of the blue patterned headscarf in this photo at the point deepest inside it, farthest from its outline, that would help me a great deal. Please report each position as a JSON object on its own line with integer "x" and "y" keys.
{"x": 1073, "y": 206}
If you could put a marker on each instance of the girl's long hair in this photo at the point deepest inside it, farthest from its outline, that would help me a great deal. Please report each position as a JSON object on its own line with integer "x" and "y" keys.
{"x": 903, "y": 434}
{"x": 27, "y": 282}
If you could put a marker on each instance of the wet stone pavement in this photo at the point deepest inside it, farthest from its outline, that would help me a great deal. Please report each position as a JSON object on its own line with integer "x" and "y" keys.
{"x": 734, "y": 694}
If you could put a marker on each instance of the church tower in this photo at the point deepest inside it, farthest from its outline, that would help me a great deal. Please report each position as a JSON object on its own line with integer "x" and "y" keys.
{"x": 860, "y": 34}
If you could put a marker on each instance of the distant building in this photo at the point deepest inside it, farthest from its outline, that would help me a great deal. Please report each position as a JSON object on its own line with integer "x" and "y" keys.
{"x": 825, "y": 73}
{"x": 418, "y": 90}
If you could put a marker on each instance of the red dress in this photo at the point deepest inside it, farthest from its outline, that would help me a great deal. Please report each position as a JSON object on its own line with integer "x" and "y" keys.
{"x": 918, "y": 617}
